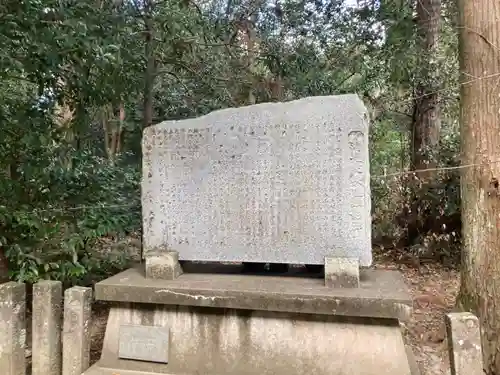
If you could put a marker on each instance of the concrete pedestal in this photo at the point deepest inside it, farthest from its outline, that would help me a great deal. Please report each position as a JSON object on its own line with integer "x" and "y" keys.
{"x": 226, "y": 323}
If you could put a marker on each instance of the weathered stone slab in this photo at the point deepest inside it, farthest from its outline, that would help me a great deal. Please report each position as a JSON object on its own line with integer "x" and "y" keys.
{"x": 464, "y": 342}
{"x": 144, "y": 343}
{"x": 12, "y": 329}
{"x": 275, "y": 182}
{"x": 76, "y": 330}
{"x": 47, "y": 310}
{"x": 236, "y": 342}
{"x": 381, "y": 293}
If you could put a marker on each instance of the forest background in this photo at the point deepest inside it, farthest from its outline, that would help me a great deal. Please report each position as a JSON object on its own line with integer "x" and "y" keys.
{"x": 80, "y": 80}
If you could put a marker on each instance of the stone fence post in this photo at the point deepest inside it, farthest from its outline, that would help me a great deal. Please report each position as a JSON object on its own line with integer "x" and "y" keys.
{"x": 48, "y": 344}
{"x": 12, "y": 329}
{"x": 76, "y": 332}
{"x": 47, "y": 314}
{"x": 464, "y": 344}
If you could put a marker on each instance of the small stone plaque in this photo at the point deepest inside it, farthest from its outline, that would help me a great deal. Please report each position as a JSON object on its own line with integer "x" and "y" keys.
{"x": 144, "y": 343}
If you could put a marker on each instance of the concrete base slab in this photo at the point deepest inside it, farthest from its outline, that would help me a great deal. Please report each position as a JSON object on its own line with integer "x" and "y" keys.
{"x": 213, "y": 320}
{"x": 214, "y": 341}
{"x": 381, "y": 293}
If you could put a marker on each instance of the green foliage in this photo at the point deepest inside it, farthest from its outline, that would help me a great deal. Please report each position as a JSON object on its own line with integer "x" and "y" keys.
{"x": 53, "y": 232}
{"x": 63, "y": 197}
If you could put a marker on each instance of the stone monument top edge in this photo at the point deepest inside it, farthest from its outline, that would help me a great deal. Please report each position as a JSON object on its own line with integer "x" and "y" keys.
{"x": 330, "y": 104}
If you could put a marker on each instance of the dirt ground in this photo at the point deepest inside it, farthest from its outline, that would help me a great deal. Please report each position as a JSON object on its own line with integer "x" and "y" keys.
{"x": 433, "y": 289}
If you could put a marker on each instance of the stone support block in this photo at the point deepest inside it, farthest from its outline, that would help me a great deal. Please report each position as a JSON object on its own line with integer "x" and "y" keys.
{"x": 341, "y": 272}
{"x": 163, "y": 266}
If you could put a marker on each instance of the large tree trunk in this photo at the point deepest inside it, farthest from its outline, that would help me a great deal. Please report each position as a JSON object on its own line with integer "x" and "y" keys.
{"x": 480, "y": 133}
{"x": 427, "y": 113}
{"x": 150, "y": 72}
{"x": 426, "y": 118}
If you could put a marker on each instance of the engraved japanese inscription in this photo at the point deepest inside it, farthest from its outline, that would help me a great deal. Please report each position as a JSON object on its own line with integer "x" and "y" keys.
{"x": 144, "y": 343}
{"x": 274, "y": 182}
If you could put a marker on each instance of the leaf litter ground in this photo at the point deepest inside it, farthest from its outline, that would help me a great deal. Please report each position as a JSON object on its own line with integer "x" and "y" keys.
{"x": 434, "y": 289}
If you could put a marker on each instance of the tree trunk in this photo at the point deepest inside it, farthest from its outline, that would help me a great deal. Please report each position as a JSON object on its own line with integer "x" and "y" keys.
{"x": 426, "y": 116}
{"x": 150, "y": 72}
{"x": 480, "y": 134}
{"x": 112, "y": 129}
{"x": 426, "y": 123}
{"x": 251, "y": 54}
{"x": 4, "y": 267}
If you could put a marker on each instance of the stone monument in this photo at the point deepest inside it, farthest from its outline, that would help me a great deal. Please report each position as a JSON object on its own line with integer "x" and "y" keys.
{"x": 269, "y": 183}
{"x": 277, "y": 183}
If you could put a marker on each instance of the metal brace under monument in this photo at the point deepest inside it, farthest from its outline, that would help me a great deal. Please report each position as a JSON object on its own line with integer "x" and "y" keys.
{"x": 270, "y": 183}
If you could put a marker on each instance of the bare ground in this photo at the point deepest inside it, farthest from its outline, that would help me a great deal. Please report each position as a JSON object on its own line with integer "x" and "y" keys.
{"x": 434, "y": 289}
